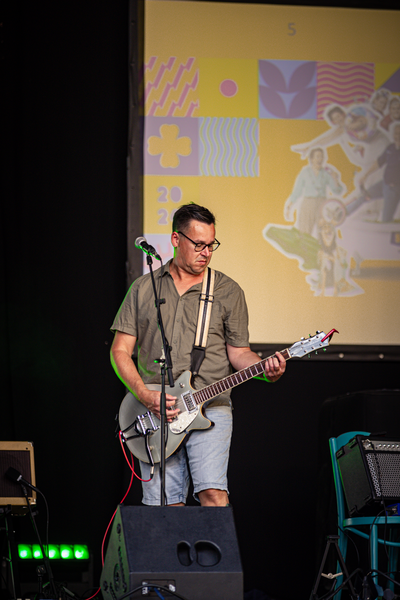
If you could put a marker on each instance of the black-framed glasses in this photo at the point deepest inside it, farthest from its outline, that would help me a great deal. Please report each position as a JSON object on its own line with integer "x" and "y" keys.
{"x": 199, "y": 247}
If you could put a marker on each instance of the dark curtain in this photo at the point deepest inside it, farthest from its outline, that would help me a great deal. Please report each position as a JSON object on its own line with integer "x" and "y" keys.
{"x": 63, "y": 233}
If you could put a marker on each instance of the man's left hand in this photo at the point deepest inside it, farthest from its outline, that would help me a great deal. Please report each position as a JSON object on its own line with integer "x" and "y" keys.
{"x": 275, "y": 367}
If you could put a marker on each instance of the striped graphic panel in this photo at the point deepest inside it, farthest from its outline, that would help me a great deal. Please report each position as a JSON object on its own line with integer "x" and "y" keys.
{"x": 343, "y": 83}
{"x": 171, "y": 87}
{"x": 229, "y": 147}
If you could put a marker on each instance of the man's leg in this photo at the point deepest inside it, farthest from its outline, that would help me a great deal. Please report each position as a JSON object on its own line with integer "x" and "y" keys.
{"x": 176, "y": 481}
{"x": 208, "y": 456}
{"x": 213, "y": 498}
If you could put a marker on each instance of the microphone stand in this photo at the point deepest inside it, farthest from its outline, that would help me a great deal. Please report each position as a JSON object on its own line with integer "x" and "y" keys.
{"x": 166, "y": 365}
{"x": 45, "y": 557}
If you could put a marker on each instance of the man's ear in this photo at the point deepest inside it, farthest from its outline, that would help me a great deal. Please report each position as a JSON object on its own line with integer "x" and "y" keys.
{"x": 174, "y": 239}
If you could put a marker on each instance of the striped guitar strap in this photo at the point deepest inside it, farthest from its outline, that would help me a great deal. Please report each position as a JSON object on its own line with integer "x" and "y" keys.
{"x": 203, "y": 321}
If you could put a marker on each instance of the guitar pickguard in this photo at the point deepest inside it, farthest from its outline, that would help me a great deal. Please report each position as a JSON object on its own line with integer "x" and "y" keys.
{"x": 183, "y": 420}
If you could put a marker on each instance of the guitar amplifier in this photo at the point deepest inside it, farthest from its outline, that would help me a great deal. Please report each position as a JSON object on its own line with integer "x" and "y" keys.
{"x": 370, "y": 473}
{"x": 20, "y": 456}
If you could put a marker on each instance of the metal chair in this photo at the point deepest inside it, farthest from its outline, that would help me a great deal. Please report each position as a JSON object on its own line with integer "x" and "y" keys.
{"x": 357, "y": 524}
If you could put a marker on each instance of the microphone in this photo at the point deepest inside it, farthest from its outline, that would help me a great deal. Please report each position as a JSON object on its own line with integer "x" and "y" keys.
{"x": 141, "y": 244}
{"x": 15, "y": 476}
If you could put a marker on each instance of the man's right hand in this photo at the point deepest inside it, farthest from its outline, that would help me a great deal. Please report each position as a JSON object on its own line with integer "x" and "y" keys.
{"x": 151, "y": 400}
{"x": 121, "y": 359}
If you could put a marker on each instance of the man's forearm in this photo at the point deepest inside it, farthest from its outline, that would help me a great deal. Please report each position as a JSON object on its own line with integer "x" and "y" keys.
{"x": 127, "y": 372}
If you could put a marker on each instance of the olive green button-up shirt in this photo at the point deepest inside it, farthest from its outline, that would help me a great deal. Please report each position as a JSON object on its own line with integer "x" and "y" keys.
{"x": 137, "y": 316}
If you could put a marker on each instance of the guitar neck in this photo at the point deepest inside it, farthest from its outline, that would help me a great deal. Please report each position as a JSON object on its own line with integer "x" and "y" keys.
{"x": 215, "y": 389}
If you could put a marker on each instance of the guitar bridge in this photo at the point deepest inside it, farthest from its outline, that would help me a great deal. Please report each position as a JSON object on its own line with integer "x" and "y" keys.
{"x": 189, "y": 402}
{"x": 145, "y": 424}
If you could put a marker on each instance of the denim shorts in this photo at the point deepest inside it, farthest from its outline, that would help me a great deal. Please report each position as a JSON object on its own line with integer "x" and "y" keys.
{"x": 204, "y": 458}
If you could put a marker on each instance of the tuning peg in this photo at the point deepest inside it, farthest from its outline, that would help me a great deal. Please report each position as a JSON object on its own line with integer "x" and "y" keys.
{"x": 302, "y": 339}
{"x": 309, "y": 356}
{"x": 324, "y": 349}
{"x": 317, "y": 332}
{"x": 316, "y": 352}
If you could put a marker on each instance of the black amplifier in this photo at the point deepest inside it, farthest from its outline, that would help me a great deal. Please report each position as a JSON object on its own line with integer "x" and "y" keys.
{"x": 370, "y": 472}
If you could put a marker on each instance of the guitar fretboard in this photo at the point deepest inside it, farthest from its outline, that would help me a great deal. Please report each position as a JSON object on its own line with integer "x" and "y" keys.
{"x": 209, "y": 392}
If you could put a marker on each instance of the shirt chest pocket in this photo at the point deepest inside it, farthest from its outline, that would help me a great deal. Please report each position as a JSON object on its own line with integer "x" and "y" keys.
{"x": 217, "y": 319}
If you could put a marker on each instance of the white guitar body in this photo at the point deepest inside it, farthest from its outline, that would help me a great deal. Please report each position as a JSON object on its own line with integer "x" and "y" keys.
{"x": 191, "y": 417}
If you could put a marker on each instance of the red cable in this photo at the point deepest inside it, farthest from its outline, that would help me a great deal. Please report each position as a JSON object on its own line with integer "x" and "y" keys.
{"x": 131, "y": 466}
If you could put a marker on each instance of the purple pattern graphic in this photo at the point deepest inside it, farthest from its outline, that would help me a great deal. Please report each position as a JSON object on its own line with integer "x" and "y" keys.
{"x": 287, "y": 89}
{"x": 393, "y": 83}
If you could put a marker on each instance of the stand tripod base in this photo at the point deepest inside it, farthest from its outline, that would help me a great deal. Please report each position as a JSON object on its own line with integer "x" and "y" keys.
{"x": 332, "y": 540}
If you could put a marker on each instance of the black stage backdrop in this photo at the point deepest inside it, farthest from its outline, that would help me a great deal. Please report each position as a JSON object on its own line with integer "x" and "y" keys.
{"x": 63, "y": 232}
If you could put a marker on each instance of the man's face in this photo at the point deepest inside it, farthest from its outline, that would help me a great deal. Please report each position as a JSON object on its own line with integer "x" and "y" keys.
{"x": 186, "y": 256}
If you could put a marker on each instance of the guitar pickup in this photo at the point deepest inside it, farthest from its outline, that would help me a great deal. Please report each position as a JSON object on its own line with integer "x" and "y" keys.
{"x": 189, "y": 402}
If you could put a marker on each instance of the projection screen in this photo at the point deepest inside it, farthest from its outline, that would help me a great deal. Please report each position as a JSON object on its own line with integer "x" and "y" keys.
{"x": 283, "y": 121}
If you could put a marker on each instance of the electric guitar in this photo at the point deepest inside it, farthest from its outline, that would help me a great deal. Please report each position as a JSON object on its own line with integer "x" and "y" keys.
{"x": 141, "y": 429}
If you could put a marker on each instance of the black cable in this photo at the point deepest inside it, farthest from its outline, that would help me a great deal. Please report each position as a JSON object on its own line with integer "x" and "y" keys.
{"x": 386, "y": 576}
{"x": 150, "y": 586}
{"x": 347, "y": 532}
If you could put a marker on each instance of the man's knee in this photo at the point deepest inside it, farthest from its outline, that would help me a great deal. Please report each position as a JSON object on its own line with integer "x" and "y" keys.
{"x": 212, "y": 497}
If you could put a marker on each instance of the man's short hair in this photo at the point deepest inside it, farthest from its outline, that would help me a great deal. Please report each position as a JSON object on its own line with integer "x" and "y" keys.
{"x": 189, "y": 212}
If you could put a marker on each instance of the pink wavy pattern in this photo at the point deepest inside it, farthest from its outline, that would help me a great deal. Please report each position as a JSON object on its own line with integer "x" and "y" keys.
{"x": 172, "y": 86}
{"x": 343, "y": 84}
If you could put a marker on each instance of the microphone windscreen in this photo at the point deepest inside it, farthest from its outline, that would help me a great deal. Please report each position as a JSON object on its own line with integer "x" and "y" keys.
{"x": 13, "y": 474}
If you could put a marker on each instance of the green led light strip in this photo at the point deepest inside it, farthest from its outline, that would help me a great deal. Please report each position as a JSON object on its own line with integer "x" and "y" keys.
{"x": 63, "y": 551}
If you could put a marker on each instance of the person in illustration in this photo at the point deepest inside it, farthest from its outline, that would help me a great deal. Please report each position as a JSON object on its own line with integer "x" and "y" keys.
{"x": 311, "y": 187}
{"x": 390, "y": 160}
{"x": 393, "y": 114}
{"x": 336, "y": 116}
{"x": 379, "y": 101}
{"x": 332, "y": 260}
{"x": 357, "y": 132}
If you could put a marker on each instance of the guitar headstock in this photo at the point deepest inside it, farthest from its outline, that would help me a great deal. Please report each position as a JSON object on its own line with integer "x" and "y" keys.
{"x": 311, "y": 344}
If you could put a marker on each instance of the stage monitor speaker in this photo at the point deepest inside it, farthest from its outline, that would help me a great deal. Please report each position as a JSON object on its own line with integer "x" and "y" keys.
{"x": 370, "y": 473}
{"x": 20, "y": 456}
{"x": 190, "y": 550}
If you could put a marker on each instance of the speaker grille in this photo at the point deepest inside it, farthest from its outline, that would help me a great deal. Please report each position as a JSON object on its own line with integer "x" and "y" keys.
{"x": 385, "y": 470}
